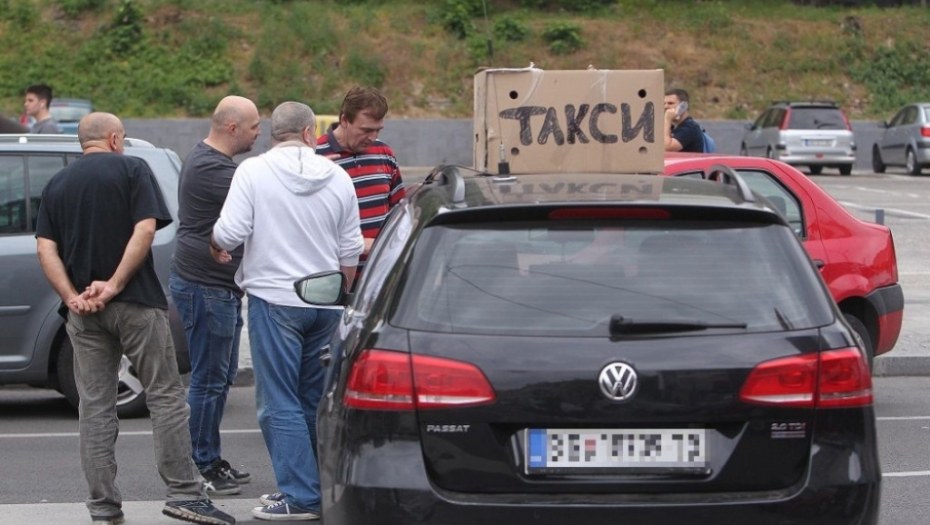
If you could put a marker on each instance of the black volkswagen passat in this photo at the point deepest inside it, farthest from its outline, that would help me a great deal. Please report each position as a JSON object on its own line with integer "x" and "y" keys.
{"x": 592, "y": 349}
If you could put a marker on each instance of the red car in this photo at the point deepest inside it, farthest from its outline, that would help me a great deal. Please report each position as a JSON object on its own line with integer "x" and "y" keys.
{"x": 856, "y": 258}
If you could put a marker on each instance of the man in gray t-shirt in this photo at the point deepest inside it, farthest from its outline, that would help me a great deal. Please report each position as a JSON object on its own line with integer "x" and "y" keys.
{"x": 205, "y": 292}
{"x": 38, "y": 100}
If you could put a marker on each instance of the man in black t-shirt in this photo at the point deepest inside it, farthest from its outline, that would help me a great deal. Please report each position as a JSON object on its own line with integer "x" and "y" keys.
{"x": 205, "y": 292}
{"x": 682, "y": 133}
{"x": 95, "y": 228}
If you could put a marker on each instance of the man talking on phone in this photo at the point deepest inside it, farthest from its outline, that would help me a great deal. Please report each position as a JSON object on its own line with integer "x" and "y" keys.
{"x": 682, "y": 133}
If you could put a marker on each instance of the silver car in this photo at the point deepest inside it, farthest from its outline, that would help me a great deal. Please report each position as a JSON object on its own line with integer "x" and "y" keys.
{"x": 34, "y": 348}
{"x": 905, "y": 140}
{"x": 813, "y": 134}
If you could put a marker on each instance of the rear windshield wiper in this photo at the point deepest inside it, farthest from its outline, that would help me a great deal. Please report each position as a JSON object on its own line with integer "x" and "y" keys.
{"x": 620, "y": 325}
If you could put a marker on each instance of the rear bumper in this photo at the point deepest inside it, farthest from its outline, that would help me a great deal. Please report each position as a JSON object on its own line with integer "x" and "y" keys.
{"x": 818, "y": 159}
{"x": 888, "y": 303}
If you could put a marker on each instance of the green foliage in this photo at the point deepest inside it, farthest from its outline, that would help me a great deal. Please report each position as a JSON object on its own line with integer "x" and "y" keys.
{"x": 126, "y": 29}
{"x": 511, "y": 29}
{"x": 457, "y": 16}
{"x": 894, "y": 74}
{"x": 73, "y": 8}
{"x": 563, "y": 37}
{"x": 21, "y": 13}
{"x": 569, "y": 5}
{"x": 364, "y": 69}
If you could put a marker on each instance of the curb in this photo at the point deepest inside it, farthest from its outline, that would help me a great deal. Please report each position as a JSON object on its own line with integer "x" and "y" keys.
{"x": 883, "y": 366}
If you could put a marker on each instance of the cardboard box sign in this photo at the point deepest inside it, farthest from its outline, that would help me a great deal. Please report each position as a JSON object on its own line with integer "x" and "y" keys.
{"x": 595, "y": 121}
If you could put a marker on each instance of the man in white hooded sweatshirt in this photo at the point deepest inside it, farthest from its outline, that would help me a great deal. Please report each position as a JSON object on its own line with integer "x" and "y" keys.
{"x": 297, "y": 214}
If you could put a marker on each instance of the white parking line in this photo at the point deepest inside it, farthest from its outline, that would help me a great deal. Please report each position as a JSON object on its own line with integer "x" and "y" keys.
{"x": 912, "y": 474}
{"x": 902, "y": 418}
{"x": 888, "y": 211}
{"x": 121, "y": 434}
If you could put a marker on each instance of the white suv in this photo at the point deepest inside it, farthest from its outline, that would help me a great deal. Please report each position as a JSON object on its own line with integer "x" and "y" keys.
{"x": 813, "y": 134}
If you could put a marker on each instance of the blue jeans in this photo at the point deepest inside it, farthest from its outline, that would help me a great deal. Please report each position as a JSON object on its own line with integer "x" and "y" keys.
{"x": 212, "y": 318}
{"x": 286, "y": 342}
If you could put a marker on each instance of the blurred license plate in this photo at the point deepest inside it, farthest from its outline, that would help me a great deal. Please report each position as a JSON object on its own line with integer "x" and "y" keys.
{"x": 818, "y": 142}
{"x": 554, "y": 450}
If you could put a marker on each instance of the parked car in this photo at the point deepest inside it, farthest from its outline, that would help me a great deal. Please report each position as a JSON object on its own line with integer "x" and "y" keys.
{"x": 577, "y": 348}
{"x": 856, "y": 258}
{"x": 814, "y": 134}
{"x": 323, "y": 122}
{"x": 34, "y": 348}
{"x": 905, "y": 140}
{"x": 68, "y": 112}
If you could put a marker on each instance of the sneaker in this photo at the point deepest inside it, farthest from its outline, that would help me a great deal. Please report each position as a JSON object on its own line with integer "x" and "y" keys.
{"x": 109, "y": 519}
{"x": 271, "y": 499}
{"x": 214, "y": 483}
{"x": 197, "y": 511}
{"x": 226, "y": 470}
{"x": 283, "y": 511}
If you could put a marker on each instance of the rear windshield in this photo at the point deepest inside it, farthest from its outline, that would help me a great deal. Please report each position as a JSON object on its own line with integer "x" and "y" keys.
{"x": 68, "y": 113}
{"x": 816, "y": 118}
{"x": 569, "y": 279}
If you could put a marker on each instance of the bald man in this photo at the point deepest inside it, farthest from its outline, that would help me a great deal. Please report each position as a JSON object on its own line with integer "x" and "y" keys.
{"x": 97, "y": 220}
{"x": 205, "y": 292}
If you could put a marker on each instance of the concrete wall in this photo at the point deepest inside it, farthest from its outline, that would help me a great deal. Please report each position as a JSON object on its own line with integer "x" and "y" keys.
{"x": 427, "y": 142}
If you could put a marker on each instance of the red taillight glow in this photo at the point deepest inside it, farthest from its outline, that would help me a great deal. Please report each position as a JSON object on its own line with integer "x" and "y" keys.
{"x": 385, "y": 380}
{"x": 835, "y": 378}
{"x": 925, "y": 131}
{"x": 609, "y": 213}
{"x": 785, "y": 119}
{"x": 846, "y": 120}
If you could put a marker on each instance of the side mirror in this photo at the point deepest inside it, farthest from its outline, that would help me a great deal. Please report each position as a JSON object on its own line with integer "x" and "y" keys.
{"x": 749, "y": 125}
{"x": 884, "y": 124}
{"x": 323, "y": 289}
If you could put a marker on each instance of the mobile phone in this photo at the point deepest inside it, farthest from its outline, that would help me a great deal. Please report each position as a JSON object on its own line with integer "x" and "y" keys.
{"x": 682, "y": 107}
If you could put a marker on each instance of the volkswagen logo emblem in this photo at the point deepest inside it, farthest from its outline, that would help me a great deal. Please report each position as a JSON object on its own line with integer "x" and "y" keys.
{"x": 618, "y": 381}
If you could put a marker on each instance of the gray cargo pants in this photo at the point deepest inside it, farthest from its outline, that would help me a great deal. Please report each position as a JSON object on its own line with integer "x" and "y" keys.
{"x": 99, "y": 341}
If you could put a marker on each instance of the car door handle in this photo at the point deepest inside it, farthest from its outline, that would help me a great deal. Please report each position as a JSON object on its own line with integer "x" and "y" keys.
{"x": 326, "y": 357}
{"x": 819, "y": 263}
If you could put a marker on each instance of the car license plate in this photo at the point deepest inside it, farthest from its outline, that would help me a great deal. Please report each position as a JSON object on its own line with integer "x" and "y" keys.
{"x": 559, "y": 450}
{"x": 823, "y": 143}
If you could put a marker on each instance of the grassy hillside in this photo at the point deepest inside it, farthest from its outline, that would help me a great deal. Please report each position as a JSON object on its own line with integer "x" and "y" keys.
{"x": 176, "y": 58}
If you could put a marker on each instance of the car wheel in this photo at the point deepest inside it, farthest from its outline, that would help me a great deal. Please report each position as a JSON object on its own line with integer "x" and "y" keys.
{"x": 815, "y": 170}
{"x": 878, "y": 165}
{"x": 743, "y": 151}
{"x": 846, "y": 169}
{"x": 911, "y": 163}
{"x": 861, "y": 333}
{"x": 130, "y": 397}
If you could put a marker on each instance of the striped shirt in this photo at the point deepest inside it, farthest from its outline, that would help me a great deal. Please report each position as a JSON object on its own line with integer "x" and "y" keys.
{"x": 376, "y": 175}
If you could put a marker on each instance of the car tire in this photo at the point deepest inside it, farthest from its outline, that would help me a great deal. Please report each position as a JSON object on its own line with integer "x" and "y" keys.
{"x": 130, "y": 400}
{"x": 913, "y": 168}
{"x": 878, "y": 165}
{"x": 743, "y": 151}
{"x": 846, "y": 169}
{"x": 815, "y": 170}
{"x": 861, "y": 333}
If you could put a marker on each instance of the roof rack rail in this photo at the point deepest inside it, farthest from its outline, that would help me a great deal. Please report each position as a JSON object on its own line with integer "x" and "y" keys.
{"x": 450, "y": 175}
{"x": 727, "y": 175}
{"x": 823, "y": 101}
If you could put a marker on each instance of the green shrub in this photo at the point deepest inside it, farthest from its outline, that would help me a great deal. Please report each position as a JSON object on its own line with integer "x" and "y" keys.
{"x": 73, "y": 8}
{"x": 511, "y": 29}
{"x": 456, "y": 16}
{"x": 563, "y": 37}
{"x": 568, "y": 5}
{"x": 125, "y": 31}
{"x": 365, "y": 69}
{"x": 894, "y": 75}
{"x": 22, "y": 13}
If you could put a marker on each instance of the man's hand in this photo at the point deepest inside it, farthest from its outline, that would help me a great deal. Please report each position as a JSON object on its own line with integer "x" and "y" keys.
{"x": 101, "y": 292}
{"x": 220, "y": 256}
{"x": 670, "y": 115}
{"x": 81, "y": 305}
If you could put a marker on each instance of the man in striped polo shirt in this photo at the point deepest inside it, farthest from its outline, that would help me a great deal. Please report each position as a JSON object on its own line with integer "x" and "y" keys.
{"x": 353, "y": 144}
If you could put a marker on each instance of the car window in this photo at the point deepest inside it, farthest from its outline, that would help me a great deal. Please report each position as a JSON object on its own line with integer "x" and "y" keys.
{"x": 774, "y": 118}
{"x": 763, "y": 118}
{"x": 12, "y": 194}
{"x": 896, "y": 121}
{"x": 569, "y": 279}
{"x": 910, "y": 116}
{"x": 382, "y": 258}
{"x": 785, "y": 201}
{"x": 41, "y": 170}
{"x": 816, "y": 118}
{"x": 68, "y": 113}
{"x": 926, "y": 114}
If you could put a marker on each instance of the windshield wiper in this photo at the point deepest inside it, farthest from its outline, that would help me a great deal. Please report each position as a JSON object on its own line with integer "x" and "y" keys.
{"x": 620, "y": 325}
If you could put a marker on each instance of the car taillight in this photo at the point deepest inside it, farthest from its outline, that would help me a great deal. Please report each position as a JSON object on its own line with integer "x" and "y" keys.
{"x": 846, "y": 120}
{"x": 784, "y": 120}
{"x": 925, "y": 131}
{"x": 386, "y": 380}
{"x": 835, "y": 378}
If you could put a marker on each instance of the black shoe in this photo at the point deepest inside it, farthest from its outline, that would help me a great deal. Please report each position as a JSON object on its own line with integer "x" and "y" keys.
{"x": 224, "y": 469}
{"x": 216, "y": 484}
{"x": 109, "y": 519}
{"x": 197, "y": 511}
